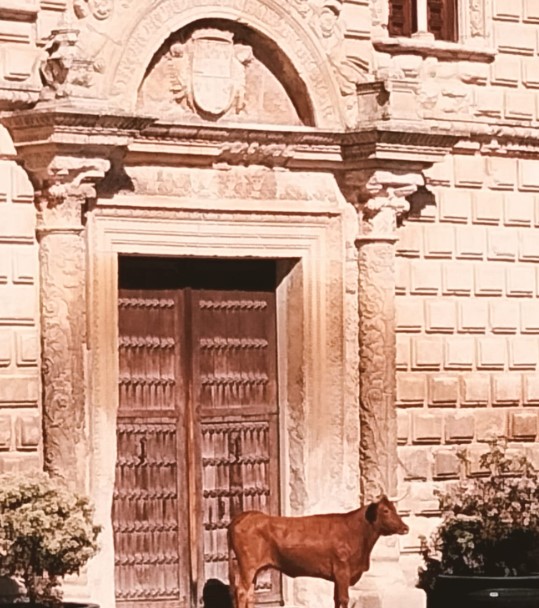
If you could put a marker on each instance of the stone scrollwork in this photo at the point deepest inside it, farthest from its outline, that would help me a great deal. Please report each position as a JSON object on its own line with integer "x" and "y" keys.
{"x": 63, "y": 70}
{"x": 271, "y": 155}
{"x": 325, "y": 22}
{"x": 384, "y": 202}
{"x": 377, "y": 368}
{"x": 66, "y": 184}
{"x": 63, "y": 336}
{"x": 100, "y": 9}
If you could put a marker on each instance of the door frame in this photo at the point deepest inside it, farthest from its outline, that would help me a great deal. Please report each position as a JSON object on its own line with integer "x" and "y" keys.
{"x": 307, "y": 382}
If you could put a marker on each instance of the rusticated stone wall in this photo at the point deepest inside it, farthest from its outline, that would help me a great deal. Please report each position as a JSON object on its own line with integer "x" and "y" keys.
{"x": 20, "y": 438}
{"x": 467, "y": 324}
{"x": 466, "y": 272}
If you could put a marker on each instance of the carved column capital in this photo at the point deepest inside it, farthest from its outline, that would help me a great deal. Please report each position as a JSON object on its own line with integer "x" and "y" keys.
{"x": 63, "y": 186}
{"x": 382, "y": 202}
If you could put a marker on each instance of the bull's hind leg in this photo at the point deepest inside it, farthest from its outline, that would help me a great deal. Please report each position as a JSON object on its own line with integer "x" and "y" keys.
{"x": 244, "y": 586}
{"x": 234, "y": 581}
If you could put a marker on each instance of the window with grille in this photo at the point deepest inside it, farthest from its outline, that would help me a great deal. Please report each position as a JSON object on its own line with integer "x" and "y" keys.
{"x": 436, "y": 17}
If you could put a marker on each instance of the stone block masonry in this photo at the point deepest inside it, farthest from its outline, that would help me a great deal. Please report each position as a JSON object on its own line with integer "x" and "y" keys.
{"x": 20, "y": 422}
{"x": 467, "y": 321}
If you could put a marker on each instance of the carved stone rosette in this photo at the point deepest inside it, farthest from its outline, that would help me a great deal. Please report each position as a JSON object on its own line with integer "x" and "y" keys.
{"x": 382, "y": 202}
{"x": 62, "y": 258}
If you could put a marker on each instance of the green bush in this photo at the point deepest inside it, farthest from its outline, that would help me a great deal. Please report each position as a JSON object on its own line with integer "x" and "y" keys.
{"x": 46, "y": 532}
{"x": 490, "y": 525}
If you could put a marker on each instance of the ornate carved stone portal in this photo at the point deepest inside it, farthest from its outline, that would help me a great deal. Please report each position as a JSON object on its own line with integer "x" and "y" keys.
{"x": 213, "y": 73}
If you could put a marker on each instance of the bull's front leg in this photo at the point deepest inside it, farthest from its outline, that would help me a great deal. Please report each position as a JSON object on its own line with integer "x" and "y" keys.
{"x": 342, "y": 583}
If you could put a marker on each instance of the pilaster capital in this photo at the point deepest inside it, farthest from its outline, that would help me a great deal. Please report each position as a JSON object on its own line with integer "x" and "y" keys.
{"x": 63, "y": 186}
{"x": 382, "y": 201}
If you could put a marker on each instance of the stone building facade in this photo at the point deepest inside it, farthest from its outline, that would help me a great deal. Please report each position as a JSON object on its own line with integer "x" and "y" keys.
{"x": 364, "y": 179}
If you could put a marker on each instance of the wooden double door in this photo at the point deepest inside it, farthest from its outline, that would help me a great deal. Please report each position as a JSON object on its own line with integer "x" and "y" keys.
{"x": 197, "y": 428}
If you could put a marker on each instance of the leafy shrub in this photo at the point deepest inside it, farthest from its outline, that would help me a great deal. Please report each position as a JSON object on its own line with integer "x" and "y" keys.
{"x": 490, "y": 526}
{"x": 46, "y": 532}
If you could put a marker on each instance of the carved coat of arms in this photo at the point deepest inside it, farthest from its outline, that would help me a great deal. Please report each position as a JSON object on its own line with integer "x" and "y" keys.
{"x": 208, "y": 72}
{"x": 212, "y": 71}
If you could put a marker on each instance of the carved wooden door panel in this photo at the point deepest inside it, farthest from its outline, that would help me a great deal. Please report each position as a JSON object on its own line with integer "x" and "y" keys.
{"x": 197, "y": 429}
{"x": 235, "y": 390}
{"x": 149, "y": 505}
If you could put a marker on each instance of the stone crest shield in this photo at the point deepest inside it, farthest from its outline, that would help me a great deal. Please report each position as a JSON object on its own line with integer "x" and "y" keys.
{"x": 212, "y": 70}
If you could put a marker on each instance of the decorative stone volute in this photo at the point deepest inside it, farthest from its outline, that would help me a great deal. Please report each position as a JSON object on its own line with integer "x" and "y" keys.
{"x": 64, "y": 71}
{"x": 382, "y": 202}
{"x": 64, "y": 186}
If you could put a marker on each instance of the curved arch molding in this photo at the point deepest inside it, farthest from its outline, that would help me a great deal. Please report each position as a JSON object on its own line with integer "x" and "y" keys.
{"x": 143, "y": 39}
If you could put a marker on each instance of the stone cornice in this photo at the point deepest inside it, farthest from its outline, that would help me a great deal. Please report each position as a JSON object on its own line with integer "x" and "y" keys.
{"x": 70, "y": 127}
{"x": 388, "y": 141}
{"x": 291, "y": 147}
{"x": 415, "y": 144}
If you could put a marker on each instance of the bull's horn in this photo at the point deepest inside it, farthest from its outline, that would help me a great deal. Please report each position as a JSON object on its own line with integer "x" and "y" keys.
{"x": 401, "y": 497}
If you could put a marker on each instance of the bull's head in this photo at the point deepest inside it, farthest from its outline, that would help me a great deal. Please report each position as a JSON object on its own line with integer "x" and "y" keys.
{"x": 383, "y": 515}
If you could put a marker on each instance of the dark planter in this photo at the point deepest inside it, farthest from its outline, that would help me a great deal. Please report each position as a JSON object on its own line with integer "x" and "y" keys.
{"x": 484, "y": 592}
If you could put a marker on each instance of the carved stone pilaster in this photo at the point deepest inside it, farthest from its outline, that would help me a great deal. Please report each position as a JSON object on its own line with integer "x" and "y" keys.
{"x": 61, "y": 203}
{"x": 381, "y": 203}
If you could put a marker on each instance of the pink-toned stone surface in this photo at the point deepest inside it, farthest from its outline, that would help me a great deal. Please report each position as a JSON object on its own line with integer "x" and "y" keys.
{"x": 450, "y": 356}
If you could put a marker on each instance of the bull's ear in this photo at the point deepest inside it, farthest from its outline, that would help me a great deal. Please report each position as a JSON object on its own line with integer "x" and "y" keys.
{"x": 371, "y": 512}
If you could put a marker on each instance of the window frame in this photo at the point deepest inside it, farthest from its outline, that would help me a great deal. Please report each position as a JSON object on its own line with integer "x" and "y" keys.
{"x": 473, "y": 34}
